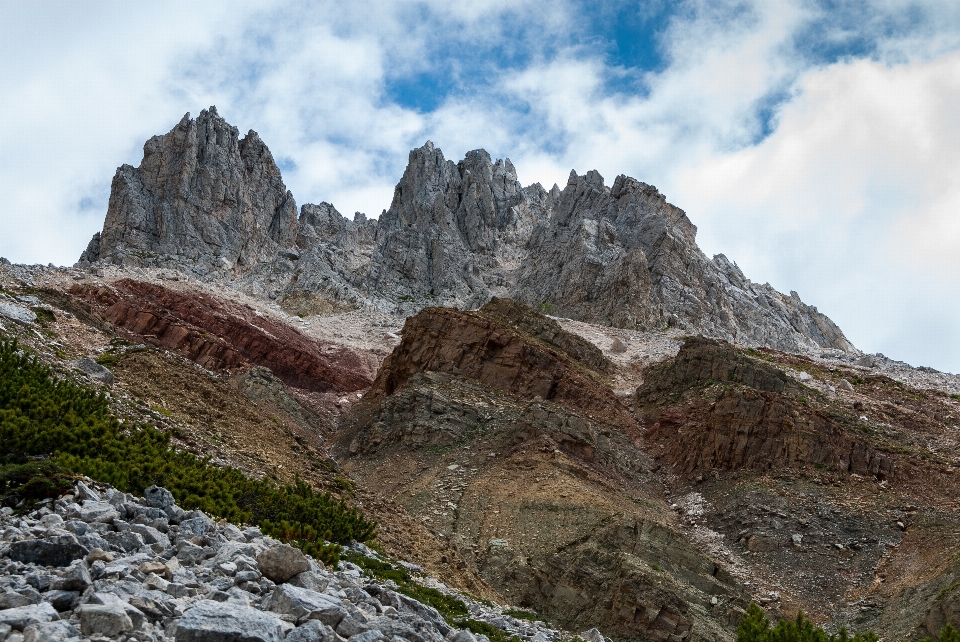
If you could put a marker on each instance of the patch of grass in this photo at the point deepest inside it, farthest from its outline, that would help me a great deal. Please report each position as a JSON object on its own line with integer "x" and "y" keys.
{"x": 161, "y": 410}
{"x": 955, "y": 397}
{"x": 108, "y": 359}
{"x": 545, "y": 307}
{"x": 44, "y": 315}
{"x": 947, "y": 590}
{"x": 489, "y": 630}
{"x": 656, "y": 567}
{"x": 72, "y": 426}
{"x": 524, "y": 615}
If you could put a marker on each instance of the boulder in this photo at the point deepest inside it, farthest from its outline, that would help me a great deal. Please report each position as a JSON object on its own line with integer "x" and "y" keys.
{"x": 75, "y": 577}
{"x": 10, "y": 599}
{"x": 126, "y": 541}
{"x": 50, "y": 632}
{"x": 209, "y": 621}
{"x": 109, "y": 620}
{"x": 311, "y": 631}
{"x": 93, "y": 511}
{"x": 196, "y": 527}
{"x": 158, "y": 497}
{"x": 17, "y": 313}
{"x": 23, "y": 616}
{"x": 304, "y": 604}
{"x": 60, "y": 550}
{"x": 94, "y": 370}
{"x": 282, "y": 563}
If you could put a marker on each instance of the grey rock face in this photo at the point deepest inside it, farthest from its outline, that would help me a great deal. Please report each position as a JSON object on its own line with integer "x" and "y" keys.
{"x": 59, "y": 550}
{"x": 623, "y": 256}
{"x": 455, "y": 234}
{"x": 209, "y": 621}
{"x": 17, "y": 313}
{"x": 200, "y": 195}
{"x": 94, "y": 370}
{"x": 92, "y": 253}
{"x": 282, "y": 563}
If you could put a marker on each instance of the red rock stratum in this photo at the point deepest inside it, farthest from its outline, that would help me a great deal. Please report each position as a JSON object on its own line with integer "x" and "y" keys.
{"x": 219, "y": 334}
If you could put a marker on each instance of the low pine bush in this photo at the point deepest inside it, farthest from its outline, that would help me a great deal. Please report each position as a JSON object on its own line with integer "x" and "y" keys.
{"x": 755, "y": 627}
{"x": 70, "y": 427}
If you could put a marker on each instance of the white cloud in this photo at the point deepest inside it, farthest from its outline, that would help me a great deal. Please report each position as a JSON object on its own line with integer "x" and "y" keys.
{"x": 852, "y": 200}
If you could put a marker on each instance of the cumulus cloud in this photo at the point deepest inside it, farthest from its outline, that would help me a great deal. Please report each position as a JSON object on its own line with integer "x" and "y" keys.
{"x": 812, "y": 143}
{"x": 854, "y": 200}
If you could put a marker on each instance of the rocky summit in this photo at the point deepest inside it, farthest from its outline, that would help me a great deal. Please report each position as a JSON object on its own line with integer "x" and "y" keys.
{"x": 455, "y": 234}
{"x": 495, "y": 413}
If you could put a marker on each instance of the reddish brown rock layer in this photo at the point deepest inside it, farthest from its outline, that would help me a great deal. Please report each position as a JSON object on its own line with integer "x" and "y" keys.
{"x": 448, "y": 340}
{"x": 745, "y": 428}
{"x": 219, "y": 334}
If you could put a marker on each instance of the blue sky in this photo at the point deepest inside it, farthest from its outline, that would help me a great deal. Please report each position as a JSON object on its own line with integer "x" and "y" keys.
{"x": 815, "y": 143}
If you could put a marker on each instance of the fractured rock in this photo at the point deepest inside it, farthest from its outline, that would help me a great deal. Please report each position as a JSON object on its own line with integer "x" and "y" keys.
{"x": 209, "y": 621}
{"x": 59, "y": 550}
{"x": 282, "y": 563}
{"x": 94, "y": 370}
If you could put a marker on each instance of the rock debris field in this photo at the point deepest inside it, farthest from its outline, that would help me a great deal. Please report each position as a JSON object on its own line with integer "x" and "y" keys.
{"x": 97, "y": 564}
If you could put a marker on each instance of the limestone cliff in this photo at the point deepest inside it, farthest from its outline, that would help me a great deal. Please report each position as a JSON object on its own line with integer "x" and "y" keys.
{"x": 456, "y": 234}
{"x": 201, "y": 197}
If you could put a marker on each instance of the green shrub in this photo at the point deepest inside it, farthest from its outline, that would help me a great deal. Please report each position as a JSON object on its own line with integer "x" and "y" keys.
{"x": 523, "y": 615}
{"x": 947, "y": 634}
{"x": 489, "y": 630}
{"x": 108, "y": 359}
{"x": 755, "y": 627}
{"x": 73, "y": 426}
{"x": 31, "y": 481}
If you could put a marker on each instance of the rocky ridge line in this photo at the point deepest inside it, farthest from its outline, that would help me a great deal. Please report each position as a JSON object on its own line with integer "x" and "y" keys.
{"x": 456, "y": 234}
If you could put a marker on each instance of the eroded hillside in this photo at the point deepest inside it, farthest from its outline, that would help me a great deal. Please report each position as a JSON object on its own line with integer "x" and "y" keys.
{"x": 648, "y": 483}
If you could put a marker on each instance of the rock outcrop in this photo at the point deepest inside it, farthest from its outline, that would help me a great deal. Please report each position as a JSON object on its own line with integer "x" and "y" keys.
{"x": 495, "y": 428}
{"x": 456, "y": 234}
{"x": 623, "y": 256}
{"x": 219, "y": 334}
{"x": 505, "y": 358}
{"x": 712, "y": 408}
{"x": 200, "y": 197}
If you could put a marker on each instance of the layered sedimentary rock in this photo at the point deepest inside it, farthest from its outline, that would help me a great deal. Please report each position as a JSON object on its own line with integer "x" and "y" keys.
{"x": 494, "y": 427}
{"x": 714, "y": 408}
{"x": 455, "y": 234}
{"x": 219, "y": 334}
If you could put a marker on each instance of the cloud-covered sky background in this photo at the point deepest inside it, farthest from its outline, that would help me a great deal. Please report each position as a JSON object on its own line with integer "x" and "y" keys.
{"x": 817, "y": 144}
